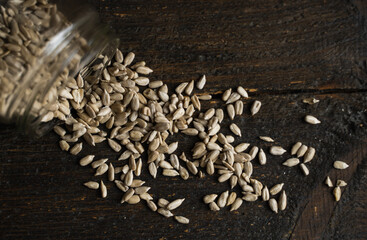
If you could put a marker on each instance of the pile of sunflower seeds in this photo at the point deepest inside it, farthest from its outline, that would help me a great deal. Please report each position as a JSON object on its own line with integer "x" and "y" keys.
{"x": 140, "y": 115}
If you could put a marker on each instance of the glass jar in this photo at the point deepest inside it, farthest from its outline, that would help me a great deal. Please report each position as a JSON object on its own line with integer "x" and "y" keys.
{"x": 42, "y": 47}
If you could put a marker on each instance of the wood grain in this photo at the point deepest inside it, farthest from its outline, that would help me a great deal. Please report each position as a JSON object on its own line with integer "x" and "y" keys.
{"x": 282, "y": 52}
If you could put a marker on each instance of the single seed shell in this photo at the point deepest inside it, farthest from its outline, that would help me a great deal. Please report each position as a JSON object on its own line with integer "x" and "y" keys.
{"x": 291, "y": 162}
{"x": 182, "y": 219}
{"x": 312, "y": 120}
{"x": 273, "y": 205}
{"x": 92, "y": 185}
{"x": 340, "y": 165}
{"x": 277, "y": 150}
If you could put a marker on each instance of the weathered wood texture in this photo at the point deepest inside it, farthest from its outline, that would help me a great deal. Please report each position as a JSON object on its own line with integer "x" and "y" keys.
{"x": 282, "y": 51}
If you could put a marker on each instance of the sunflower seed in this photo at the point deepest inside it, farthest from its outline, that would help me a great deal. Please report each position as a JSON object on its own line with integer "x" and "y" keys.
{"x": 304, "y": 169}
{"x": 328, "y": 182}
{"x": 128, "y": 194}
{"x": 231, "y": 112}
{"x": 277, "y": 150}
{"x": 266, "y": 139}
{"x": 273, "y": 205}
{"x": 92, "y": 185}
{"x": 262, "y": 157}
{"x": 102, "y": 169}
{"x": 340, "y": 165}
{"x": 341, "y": 183}
{"x": 310, "y": 153}
{"x": 129, "y": 178}
{"x": 312, "y": 120}
{"x": 241, "y": 147}
{"x": 213, "y": 206}
{"x": 282, "y": 201}
{"x": 210, "y": 198}
{"x": 184, "y": 173}
{"x": 165, "y": 212}
{"x": 76, "y": 148}
{"x": 201, "y": 82}
{"x": 182, "y": 219}
{"x": 103, "y": 190}
{"x": 337, "y": 193}
{"x": 175, "y": 204}
{"x": 162, "y": 202}
{"x": 253, "y": 152}
{"x": 291, "y": 162}
{"x": 152, "y": 205}
{"x": 242, "y": 92}
{"x": 120, "y": 185}
{"x": 114, "y": 145}
{"x": 181, "y": 87}
{"x": 64, "y": 146}
{"x": 302, "y": 150}
{"x": 233, "y": 98}
{"x": 265, "y": 194}
{"x": 98, "y": 163}
{"x": 222, "y": 200}
{"x": 310, "y": 100}
{"x": 226, "y": 94}
{"x": 295, "y": 148}
{"x": 235, "y": 129}
{"x": 60, "y": 131}
{"x": 238, "y": 106}
{"x": 255, "y": 107}
{"x": 250, "y": 197}
{"x": 231, "y": 198}
{"x": 135, "y": 199}
{"x": 276, "y": 189}
{"x": 170, "y": 173}
{"x": 224, "y": 177}
{"x": 237, "y": 204}
{"x": 111, "y": 173}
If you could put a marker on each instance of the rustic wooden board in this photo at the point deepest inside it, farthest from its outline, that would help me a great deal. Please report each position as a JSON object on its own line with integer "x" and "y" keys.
{"x": 282, "y": 51}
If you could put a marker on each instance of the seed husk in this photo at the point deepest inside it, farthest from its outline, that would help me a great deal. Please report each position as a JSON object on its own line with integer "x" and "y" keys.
{"x": 304, "y": 169}
{"x": 310, "y": 100}
{"x": 103, "y": 190}
{"x": 291, "y": 162}
{"x": 189, "y": 88}
{"x": 337, "y": 193}
{"x": 273, "y": 205}
{"x": 238, "y": 106}
{"x": 175, "y": 204}
{"x": 282, "y": 201}
{"x": 277, "y": 150}
{"x": 253, "y": 152}
{"x": 233, "y": 98}
{"x": 276, "y": 189}
{"x": 184, "y": 173}
{"x": 328, "y": 182}
{"x": 92, "y": 185}
{"x": 201, "y": 82}
{"x": 182, "y": 219}
{"x": 301, "y": 151}
{"x": 231, "y": 198}
{"x": 255, "y": 107}
{"x": 192, "y": 168}
{"x": 312, "y": 120}
{"x": 129, "y": 178}
{"x": 120, "y": 185}
{"x": 76, "y": 148}
{"x": 235, "y": 129}
{"x": 295, "y": 148}
{"x": 340, "y": 165}
{"x": 341, "y": 183}
{"x": 222, "y": 200}
{"x": 310, "y": 153}
{"x": 164, "y": 212}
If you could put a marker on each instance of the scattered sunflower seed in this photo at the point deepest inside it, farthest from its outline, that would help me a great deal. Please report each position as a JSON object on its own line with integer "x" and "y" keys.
{"x": 328, "y": 182}
{"x": 255, "y": 107}
{"x": 337, "y": 193}
{"x": 92, "y": 185}
{"x": 182, "y": 219}
{"x": 340, "y": 165}
{"x": 341, "y": 183}
{"x": 312, "y": 120}
{"x": 291, "y": 162}
{"x": 266, "y": 139}
{"x": 277, "y": 150}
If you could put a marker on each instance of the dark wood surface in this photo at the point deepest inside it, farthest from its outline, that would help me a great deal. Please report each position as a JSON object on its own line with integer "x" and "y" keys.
{"x": 282, "y": 52}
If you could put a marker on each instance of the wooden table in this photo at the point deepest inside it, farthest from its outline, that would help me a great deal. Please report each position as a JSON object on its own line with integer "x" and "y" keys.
{"x": 282, "y": 52}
